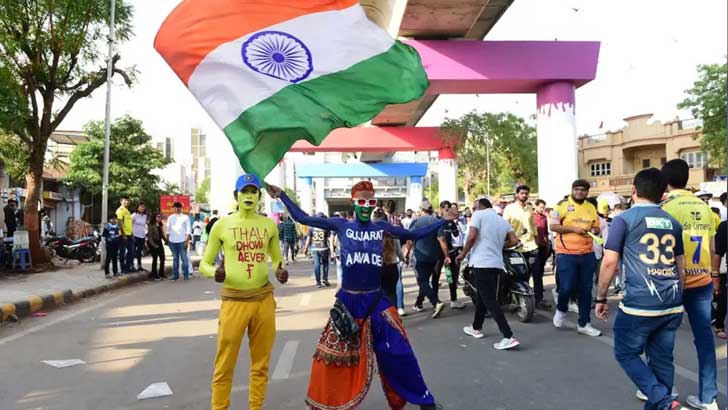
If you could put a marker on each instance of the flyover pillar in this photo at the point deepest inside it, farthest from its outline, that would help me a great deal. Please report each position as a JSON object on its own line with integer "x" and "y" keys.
{"x": 307, "y": 194}
{"x": 556, "y": 139}
{"x": 447, "y": 176}
{"x": 414, "y": 193}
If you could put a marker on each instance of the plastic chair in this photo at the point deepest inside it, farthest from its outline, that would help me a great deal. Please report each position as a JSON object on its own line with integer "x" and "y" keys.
{"x": 21, "y": 259}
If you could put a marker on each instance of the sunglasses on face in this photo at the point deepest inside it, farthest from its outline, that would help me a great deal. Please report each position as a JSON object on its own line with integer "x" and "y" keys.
{"x": 366, "y": 202}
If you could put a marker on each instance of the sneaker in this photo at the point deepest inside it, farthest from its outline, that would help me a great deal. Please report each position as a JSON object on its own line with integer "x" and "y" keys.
{"x": 401, "y": 312}
{"x": 544, "y": 305}
{"x": 457, "y": 305}
{"x": 588, "y": 330}
{"x": 694, "y": 402}
{"x": 438, "y": 309}
{"x": 318, "y": 285}
{"x": 326, "y": 283}
{"x": 478, "y": 334}
{"x": 643, "y": 396}
{"x": 573, "y": 307}
{"x": 109, "y": 276}
{"x": 417, "y": 308}
{"x": 559, "y": 317}
{"x": 506, "y": 344}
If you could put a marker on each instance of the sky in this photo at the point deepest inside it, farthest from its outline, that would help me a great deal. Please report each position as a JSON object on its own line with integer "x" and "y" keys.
{"x": 648, "y": 58}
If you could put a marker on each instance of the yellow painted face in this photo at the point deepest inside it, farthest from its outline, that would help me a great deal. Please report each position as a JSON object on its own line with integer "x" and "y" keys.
{"x": 248, "y": 198}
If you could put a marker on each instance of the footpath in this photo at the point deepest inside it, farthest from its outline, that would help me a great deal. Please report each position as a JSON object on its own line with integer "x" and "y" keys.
{"x": 26, "y": 294}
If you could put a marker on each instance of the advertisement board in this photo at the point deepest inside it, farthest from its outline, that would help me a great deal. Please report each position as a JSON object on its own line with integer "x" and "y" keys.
{"x": 166, "y": 202}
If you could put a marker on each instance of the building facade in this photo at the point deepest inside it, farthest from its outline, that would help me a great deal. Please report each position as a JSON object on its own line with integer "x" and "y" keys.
{"x": 610, "y": 160}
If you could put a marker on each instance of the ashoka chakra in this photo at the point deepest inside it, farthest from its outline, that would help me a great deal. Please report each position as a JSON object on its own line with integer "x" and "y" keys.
{"x": 278, "y": 55}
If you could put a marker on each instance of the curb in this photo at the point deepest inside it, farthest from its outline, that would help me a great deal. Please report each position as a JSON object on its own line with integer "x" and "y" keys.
{"x": 32, "y": 304}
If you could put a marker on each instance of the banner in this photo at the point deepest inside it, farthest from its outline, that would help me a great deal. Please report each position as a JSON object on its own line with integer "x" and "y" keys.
{"x": 166, "y": 202}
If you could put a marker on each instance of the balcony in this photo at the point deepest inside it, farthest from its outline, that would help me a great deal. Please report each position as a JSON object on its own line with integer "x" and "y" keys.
{"x": 622, "y": 184}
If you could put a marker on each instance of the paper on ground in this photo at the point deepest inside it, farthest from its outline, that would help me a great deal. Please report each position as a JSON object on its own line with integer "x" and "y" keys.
{"x": 59, "y": 364}
{"x": 155, "y": 390}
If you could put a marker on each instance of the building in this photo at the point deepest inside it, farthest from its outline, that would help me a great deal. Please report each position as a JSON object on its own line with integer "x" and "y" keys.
{"x": 610, "y": 160}
{"x": 191, "y": 163}
{"x": 200, "y": 160}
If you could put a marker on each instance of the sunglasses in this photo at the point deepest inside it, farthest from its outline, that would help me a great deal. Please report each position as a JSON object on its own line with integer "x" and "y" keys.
{"x": 366, "y": 202}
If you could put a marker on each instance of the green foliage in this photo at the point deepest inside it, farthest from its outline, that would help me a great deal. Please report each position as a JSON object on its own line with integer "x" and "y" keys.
{"x": 131, "y": 163}
{"x": 513, "y": 157}
{"x": 707, "y": 101}
{"x": 292, "y": 194}
{"x": 202, "y": 191}
{"x": 14, "y": 155}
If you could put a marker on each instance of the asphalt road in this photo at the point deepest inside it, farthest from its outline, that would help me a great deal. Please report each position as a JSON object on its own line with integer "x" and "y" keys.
{"x": 165, "y": 332}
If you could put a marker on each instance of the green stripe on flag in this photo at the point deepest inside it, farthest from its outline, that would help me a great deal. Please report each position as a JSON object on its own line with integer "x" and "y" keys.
{"x": 310, "y": 110}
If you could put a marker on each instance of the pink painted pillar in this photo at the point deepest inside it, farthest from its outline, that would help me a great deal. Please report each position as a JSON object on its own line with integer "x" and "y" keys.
{"x": 556, "y": 135}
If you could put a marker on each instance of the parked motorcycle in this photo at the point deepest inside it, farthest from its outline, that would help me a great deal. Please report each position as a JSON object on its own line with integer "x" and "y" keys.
{"x": 514, "y": 292}
{"x": 83, "y": 250}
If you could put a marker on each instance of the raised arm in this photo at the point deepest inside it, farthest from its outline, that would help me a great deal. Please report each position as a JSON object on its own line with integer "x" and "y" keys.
{"x": 298, "y": 215}
{"x": 420, "y": 233}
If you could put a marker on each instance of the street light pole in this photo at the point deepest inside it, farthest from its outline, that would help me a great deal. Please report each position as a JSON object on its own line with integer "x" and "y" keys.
{"x": 107, "y": 120}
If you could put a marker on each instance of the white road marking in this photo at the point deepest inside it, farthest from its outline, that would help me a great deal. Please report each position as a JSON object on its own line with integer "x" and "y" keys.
{"x": 285, "y": 361}
{"x": 57, "y": 320}
{"x": 305, "y": 299}
{"x": 609, "y": 341}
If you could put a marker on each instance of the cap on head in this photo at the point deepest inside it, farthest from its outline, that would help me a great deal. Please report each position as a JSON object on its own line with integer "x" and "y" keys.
{"x": 247, "y": 180}
{"x": 361, "y": 186}
{"x": 603, "y": 207}
{"x": 704, "y": 194}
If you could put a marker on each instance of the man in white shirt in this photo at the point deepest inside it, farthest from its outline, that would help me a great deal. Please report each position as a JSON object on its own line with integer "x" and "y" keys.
{"x": 489, "y": 233}
{"x": 179, "y": 230}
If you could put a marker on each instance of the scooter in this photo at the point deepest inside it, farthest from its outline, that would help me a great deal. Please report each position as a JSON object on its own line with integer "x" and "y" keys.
{"x": 514, "y": 292}
{"x": 83, "y": 250}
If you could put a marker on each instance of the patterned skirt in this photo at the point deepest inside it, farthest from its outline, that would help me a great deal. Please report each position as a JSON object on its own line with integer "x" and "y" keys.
{"x": 343, "y": 370}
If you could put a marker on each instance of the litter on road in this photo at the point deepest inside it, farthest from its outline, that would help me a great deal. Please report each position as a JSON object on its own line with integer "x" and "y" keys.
{"x": 155, "y": 390}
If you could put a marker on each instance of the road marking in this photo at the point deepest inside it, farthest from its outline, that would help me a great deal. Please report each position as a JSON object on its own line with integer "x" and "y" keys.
{"x": 285, "y": 361}
{"x": 305, "y": 299}
{"x": 609, "y": 341}
{"x": 57, "y": 320}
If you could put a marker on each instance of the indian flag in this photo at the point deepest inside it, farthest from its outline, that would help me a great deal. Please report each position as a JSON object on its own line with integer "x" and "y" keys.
{"x": 275, "y": 71}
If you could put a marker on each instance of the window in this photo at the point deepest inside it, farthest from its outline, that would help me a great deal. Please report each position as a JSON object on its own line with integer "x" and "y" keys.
{"x": 645, "y": 163}
{"x": 695, "y": 159}
{"x": 599, "y": 169}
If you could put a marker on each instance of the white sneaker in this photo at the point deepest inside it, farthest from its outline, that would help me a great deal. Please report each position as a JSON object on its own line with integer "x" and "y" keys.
{"x": 506, "y": 344}
{"x": 401, "y": 312}
{"x": 457, "y": 305}
{"x": 417, "y": 308}
{"x": 694, "y": 402}
{"x": 573, "y": 307}
{"x": 478, "y": 334}
{"x": 559, "y": 317}
{"x": 643, "y": 396}
{"x": 588, "y": 330}
{"x": 438, "y": 309}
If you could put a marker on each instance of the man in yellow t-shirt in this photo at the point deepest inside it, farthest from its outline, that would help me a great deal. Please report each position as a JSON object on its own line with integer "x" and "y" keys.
{"x": 699, "y": 227}
{"x": 126, "y": 249}
{"x": 572, "y": 221}
{"x": 520, "y": 215}
{"x": 247, "y": 241}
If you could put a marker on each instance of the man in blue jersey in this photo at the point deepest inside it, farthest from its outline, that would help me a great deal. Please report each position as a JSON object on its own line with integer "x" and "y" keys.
{"x": 649, "y": 242}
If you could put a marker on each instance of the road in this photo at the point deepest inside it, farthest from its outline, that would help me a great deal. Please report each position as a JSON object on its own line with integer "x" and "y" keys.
{"x": 165, "y": 332}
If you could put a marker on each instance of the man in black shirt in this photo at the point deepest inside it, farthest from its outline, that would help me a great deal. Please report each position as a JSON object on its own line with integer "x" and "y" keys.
{"x": 719, "y": 279}
{"x": 10, "y": 219}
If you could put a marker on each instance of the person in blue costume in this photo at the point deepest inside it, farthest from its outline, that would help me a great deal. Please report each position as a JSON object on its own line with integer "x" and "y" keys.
{"x": 343, "y": 369}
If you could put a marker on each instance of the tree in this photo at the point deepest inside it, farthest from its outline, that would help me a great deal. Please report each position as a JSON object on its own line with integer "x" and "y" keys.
{"x": 132, "y": 161}
{"x": 48, "y": 51}
{"x": 513, "y": 157}
{"x": 293, "y": 195}
{"x": 707, "y": 102}
{"x": 202, "y": 191}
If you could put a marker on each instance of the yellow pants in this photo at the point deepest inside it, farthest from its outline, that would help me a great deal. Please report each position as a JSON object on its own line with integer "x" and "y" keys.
{"x": 260, "y": 321}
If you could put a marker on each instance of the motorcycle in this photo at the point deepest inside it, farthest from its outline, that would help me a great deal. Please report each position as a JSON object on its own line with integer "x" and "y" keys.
{"x": 514, "y": 292}
{"x": 84, "y": 249}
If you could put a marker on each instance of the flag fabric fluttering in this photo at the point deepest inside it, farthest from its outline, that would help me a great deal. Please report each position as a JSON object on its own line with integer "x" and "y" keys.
{"x": 272, "y": 72}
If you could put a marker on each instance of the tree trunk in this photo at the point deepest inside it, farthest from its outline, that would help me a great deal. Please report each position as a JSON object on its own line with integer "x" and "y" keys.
{"x": 34, "y": 184}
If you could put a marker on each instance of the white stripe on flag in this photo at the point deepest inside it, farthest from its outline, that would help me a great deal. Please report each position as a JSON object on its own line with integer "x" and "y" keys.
{"x": 226, "y": 87}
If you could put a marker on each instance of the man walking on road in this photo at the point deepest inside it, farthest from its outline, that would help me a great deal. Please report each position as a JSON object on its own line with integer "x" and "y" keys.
{"x": 318, "y": 242}
{"x": 289, "y": 235}
{"x": 489, "y": 233}
{"x": 699, "y": 227}
{"x": 520, "y": 215}
{"x": 427, "y": 251}
{"x": 178, "y": 230}
{"x": 649, "y": 243}
{"x": 573, "y": 219}
{"x": 126, "y": 246}
{"x": 247, "y": 241}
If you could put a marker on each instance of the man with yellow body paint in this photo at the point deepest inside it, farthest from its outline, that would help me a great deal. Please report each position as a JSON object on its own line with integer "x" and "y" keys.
{"x": 247, "y": 240}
